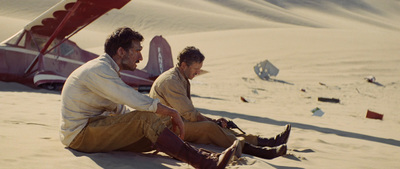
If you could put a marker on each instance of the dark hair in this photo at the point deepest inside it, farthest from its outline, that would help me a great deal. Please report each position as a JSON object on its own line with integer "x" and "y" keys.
{"x": 122, "y": 37}
{"x": 189, "y": 55}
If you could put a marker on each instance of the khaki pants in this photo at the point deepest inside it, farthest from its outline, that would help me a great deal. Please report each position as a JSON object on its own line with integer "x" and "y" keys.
{"x": 208, "y": 132}
{"x": 136, "y": 131}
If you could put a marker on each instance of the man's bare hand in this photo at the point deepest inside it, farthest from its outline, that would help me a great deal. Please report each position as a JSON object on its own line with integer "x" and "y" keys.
{"x": 223, "y": 122}
{"x": 176, "y": 119}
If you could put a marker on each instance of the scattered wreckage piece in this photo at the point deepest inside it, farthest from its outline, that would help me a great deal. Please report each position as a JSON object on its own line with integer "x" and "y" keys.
{"x": 374, "y": 115}
{"x": 265, "y": 69}
{"x": 332, "y": 100}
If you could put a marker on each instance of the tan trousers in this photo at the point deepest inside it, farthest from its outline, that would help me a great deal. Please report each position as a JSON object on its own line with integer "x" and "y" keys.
{"x": 208, "y": 132}
{"x": 136, "y": 131}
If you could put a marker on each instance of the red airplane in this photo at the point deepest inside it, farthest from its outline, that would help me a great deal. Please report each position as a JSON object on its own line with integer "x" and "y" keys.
{"x": 42, "y": 56}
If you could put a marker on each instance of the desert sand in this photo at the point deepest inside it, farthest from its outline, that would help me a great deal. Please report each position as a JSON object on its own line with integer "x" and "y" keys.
{"x": 323, "y": 48}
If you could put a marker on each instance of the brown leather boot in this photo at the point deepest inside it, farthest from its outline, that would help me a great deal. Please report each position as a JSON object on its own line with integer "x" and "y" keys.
{"x": 264, "y": 152}
{"x": 172, "y": 145}
{"x": 277, "y": 140}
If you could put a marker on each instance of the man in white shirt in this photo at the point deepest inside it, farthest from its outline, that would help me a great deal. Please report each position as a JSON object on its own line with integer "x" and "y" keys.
{"x": 96, "y": 88}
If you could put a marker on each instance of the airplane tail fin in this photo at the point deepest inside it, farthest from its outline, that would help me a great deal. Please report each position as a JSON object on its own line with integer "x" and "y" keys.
{"x": 160, "y": 57}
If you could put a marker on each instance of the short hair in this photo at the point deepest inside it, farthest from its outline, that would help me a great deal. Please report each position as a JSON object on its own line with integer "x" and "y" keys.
{"x": 189, "y": 55}
{"x": 121, "y": 37}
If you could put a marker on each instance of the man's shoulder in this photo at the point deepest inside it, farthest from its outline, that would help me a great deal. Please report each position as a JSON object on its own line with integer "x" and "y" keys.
{"x": 95, "y": 66}
{"x": 169, "y": 76}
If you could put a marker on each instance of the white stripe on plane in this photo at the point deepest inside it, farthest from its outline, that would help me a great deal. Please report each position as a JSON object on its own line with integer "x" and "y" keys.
{"x": 51, "y": 56}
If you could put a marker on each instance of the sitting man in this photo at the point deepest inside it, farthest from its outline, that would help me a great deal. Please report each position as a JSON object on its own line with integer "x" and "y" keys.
{"x": 96, "y": 87}
{"x": 173, "y": 89}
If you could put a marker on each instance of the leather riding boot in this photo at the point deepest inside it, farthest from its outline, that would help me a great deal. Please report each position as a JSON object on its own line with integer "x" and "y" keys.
{"x": 264, "y": 152}
{"x": 172, "y": 145}
{"x": 277, "y": 140}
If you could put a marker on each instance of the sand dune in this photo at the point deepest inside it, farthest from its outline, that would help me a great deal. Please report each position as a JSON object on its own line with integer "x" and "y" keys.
{"x": 324, "y": 47}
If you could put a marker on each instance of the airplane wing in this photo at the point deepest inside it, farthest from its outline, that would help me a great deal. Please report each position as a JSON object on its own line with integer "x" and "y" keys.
{"x": 67, "y": 18}
{"x": 80, "y": 13}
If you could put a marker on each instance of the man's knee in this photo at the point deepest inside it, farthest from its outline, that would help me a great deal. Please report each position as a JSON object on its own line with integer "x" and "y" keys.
{"x": 147, "y": 123}
{"x": 207, "y": 128}
{"x": 211, "y": 126}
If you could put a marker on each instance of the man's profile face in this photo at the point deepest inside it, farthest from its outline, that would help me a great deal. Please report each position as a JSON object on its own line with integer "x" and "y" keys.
{"x": 132, "y": 57}
{"x": 192, "y": 70}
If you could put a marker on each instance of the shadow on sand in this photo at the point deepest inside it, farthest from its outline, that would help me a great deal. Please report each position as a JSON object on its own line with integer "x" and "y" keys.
{"x": 123, "y": 159}
{"x": 17, "y": 87}
{"x": 302, "y": 126}
{"x": 279, "y": 81}
{"x": 212, "y": 98}
{"x": 378, "y": 84}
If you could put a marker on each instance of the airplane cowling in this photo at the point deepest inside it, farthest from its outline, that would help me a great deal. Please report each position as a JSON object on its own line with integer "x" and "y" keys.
{"x": 49, "y": 80}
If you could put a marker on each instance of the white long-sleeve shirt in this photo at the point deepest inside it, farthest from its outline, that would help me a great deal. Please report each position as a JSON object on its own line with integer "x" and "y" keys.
{"x": 95, "y": 88}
